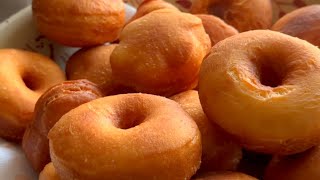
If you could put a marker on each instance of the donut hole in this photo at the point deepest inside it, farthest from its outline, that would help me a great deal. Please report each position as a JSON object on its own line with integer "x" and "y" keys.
{"x": 130, "y": 120}
{"x": 219, "y": 9}
{"x": 31, "y": 82}
{"x": 270, "y": 75}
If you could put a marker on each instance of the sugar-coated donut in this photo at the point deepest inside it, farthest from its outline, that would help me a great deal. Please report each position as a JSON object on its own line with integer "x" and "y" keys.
{"x": 225, "y": 175}
{"x": 93, "y": 64}
{"x": 79, "y": 23}
{"x": 303, "y": 23}
{"x": 302, "y": 166}
{"x": 24, "y": 76}
{"x": 161, "y": 53}
{"x": 49, "y": 173}
{"x": 218, "y": 151}
{"x": 128, "y": 136}
{"x": 216, "y": 28}
{"x": 262, "y": 87}
{"x": 243, "y": 15}
{"x": 148, "y": 6}
{"x": 51, "y": 106}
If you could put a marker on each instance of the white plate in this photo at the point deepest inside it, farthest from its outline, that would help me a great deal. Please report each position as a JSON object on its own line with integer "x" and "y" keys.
{"x": 19, "y": 32}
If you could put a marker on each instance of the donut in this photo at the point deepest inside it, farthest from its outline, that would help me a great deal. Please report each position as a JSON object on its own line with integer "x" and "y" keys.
{"x": 300, "y": 166}
{"x": 225, "y": 175}
{"x": 127, "y": 136}
{"x": 217, "y": 29}
{"x": 219, "y": 153}
{"x": 160, "y": 53}
{"x": 79, "y": 23}
{"x": 24, "y": 77}
{"x": 303, "y": 23}
{"x": 262, "y": 88}
{"x": 148, "y": 6}
{"x": 243, "y": 15}
{"x": 49, "y": 173}
{"x": 51, "y": 106}
{"x": 92, "y": 64}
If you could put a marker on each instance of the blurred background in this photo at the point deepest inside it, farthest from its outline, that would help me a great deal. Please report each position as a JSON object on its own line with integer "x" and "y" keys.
{"x": 9, "y": 7}
{"x": 281, "y": 7}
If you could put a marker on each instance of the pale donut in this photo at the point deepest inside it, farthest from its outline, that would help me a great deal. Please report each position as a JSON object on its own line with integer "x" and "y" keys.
{"x": 244, "y": 15}
{"x": 262, "y": 87}
{"x": 303, "y": 23}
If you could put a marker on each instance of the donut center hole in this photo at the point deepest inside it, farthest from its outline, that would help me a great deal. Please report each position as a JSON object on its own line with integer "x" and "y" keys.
{"x": 30, "y": 82}
{"x": 130, "y": 120}
{"x": 270, "y": 76}
{"x": 219, "y": 9}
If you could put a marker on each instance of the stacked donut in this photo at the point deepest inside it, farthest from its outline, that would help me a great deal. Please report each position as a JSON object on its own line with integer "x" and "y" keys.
{"x": 167, "y": 95}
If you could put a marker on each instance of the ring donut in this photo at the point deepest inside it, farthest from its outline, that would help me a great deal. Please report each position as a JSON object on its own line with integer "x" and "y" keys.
{"x": 24, "y": 77}
{"x": 151, "y": 134}
{"x": 51, "y": 106}
{"x": 262, "y": 87}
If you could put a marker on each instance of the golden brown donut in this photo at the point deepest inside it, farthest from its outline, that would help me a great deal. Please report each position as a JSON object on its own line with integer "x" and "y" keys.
{"x": 225, "y": 175}
{"x": 262, "y": 87}
{"x": 148, "y": 6}
{"x": 216, "y": 28}
{"x": 219, "y": 153}
{"x": 49, "y": 173}
{"x": 24, "y": 76}
{"x": 128, "y": 136}
{"x": 93, "y": 64}
{"x": 243, "y": 15}
{"x": 79, "y": 23}
{"x": 52, "y": 105}
{"x": 161, "y": 53}
{"x": 303, "y": 166}
{"x": 303, "y": 23}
